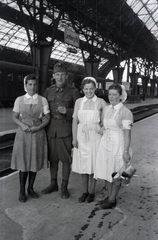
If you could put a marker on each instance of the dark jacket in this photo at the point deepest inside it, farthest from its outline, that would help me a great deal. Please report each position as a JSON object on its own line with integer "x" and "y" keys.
{"x": 61, "y": 124}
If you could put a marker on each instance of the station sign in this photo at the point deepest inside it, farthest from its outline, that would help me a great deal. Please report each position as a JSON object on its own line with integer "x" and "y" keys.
{"x": 71, "y": 37}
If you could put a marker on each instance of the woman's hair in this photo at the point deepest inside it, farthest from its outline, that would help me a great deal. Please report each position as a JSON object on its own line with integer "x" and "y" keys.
{"x": 30, "y": 77}
{"x": 117, "y": 87}
{"x": 86, "y": 81}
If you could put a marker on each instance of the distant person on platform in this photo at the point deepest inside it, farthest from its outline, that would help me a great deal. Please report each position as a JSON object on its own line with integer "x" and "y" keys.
{"x": 31, "y": 114}
{"x": 61, "y": 98}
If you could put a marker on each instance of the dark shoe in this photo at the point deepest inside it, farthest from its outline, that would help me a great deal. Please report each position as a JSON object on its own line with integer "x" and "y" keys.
{"x": 103, "y": 201}
{"x": 32, "y": 193}
{"x": 53, "y": 187}
{"x": 108, "y": 205}
{"x": 64, "y": 191}
{"x": 90, "y": 198}
{"x": 83, "y": 198}
{"x": 22, "y": 197}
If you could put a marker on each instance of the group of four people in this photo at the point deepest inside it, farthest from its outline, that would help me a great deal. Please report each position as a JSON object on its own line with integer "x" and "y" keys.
{"x": 99, "y": 133}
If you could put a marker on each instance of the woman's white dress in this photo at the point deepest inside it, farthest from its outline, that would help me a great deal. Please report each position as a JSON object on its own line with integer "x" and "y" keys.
{"x": 84, "y": 157}
{"x": 111, "y": 148}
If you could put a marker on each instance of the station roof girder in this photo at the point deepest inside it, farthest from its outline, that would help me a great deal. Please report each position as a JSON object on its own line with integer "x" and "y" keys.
{"x": 118, "y": 29}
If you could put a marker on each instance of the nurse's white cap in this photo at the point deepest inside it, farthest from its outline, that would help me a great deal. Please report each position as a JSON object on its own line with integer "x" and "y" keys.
{"x": 90, "y": 78}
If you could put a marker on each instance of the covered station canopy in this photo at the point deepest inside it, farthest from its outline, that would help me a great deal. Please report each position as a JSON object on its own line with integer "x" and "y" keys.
{"x": 109, "y": 30}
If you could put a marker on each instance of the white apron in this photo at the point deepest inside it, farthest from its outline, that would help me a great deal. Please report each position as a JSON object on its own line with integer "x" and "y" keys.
{"x": 84, "y": 157}
{"x": 110, "y": 152}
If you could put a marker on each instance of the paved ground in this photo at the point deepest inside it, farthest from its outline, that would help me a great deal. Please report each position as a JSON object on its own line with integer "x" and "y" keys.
{"x": 52, "y": 218}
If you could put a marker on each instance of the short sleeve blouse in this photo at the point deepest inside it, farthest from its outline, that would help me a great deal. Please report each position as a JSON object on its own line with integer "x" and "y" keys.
{"x": 32, "y": 100}
{"x": 124, "y": 118}
{"x": 88, "y": 105}
{"x": 127, "y": 121}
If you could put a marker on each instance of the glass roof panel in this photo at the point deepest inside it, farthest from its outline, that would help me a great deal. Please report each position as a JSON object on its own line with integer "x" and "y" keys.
{"x": 147, "y": 11}
{"x": 103, "y": 61}
{"x": 59, "y": 52}
{"x": 11, "y": 3}
{"x": 136, "y": 5}
{"x": 14, "y": 36}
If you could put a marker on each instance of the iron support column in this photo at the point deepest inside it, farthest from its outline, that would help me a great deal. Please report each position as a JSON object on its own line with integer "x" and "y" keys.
{"x": 118, "y": 73}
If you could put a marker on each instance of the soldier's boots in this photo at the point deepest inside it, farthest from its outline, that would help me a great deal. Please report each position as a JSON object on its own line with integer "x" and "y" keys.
{"x": 64, "y": 191}
{"x": 53, "y": 187}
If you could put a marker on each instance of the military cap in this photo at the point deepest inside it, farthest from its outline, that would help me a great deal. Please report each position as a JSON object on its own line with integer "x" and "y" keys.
{"x": 59, "y": 67}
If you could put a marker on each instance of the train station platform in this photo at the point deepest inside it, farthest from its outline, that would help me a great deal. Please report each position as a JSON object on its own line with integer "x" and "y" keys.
{"x": 52, "y": 218}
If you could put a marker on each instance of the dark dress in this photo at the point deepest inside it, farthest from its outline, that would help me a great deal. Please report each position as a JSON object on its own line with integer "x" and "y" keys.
{"x": 30, "y": 149}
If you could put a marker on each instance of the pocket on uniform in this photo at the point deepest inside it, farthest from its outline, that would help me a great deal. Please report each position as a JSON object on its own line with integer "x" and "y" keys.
{"x": 52, "y": 105}
{"x": 67, "y": 102}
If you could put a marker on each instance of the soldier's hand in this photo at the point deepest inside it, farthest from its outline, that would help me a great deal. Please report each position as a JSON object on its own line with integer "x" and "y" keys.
{"x": 34, "y": 129}
{"x": 62, "y": 110}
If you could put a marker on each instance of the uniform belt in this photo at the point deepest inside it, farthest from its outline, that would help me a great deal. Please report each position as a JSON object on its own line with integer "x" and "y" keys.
{"x": 58, "y": 117}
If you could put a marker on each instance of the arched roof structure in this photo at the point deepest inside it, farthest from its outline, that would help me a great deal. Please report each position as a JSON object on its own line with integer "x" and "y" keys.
{"x": 109, "y": 30}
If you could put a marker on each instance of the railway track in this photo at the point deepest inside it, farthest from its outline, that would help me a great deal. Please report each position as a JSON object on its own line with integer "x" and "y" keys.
{"x": 139, "y": 113}
{"x": 5, "y": 157}
{"x": 6, "y": 146}
{"x": 143, "y": 112}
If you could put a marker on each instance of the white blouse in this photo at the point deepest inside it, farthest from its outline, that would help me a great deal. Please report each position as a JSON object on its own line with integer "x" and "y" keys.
{"x": 124, "y": 116}
{"x": 31, "y": 100}
{"x": 88, "y": 104}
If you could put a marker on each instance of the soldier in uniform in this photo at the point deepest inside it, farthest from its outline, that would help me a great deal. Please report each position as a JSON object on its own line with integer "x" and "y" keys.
{"x": 61, "y": 98}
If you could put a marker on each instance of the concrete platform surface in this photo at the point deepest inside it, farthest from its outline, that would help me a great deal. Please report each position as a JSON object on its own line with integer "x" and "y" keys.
{"x": 53, "y": 218}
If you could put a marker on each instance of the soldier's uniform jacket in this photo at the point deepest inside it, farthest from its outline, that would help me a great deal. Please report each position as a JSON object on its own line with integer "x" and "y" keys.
{"x": 61, "y": 124}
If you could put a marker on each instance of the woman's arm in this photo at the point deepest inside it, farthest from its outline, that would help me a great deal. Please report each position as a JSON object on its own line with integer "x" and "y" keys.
{"x": 127, "y": 141}
{"x": 101, "y": 130}
{"x": 103, "y": 107}
{"x": 16, "y": 114}
{"x": 74, "y": 132}
{"x": 45, "y": 121}
{"x": 16, "y": 120}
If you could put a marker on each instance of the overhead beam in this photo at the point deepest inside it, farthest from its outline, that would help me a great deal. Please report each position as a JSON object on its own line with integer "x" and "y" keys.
{"x": 12, "y": 15}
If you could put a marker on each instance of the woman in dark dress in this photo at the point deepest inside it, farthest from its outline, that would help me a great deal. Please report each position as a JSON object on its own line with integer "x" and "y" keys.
{"x": 31, "y": 114}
